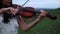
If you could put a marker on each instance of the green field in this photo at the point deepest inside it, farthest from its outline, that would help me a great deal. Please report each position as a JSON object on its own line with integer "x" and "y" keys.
{"x": 46, "y": 26}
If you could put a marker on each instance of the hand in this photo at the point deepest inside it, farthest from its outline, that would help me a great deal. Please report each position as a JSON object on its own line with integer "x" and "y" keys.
{"x": 41, "y": 16}
{"x": 43, "y": 13}
{"x": 13, "y": 11}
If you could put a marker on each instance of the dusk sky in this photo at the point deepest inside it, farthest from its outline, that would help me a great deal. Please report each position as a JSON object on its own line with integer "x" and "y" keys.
{"x": 39, "y": 3}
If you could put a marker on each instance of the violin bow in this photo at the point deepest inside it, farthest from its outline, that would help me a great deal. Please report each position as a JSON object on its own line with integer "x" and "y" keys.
{"x": 25, "y": 3}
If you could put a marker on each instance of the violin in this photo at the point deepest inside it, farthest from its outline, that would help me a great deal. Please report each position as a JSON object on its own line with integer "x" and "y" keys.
{"x": 29, "y": 12}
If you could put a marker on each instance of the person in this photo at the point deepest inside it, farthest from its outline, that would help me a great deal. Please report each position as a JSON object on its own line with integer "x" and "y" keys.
{"x": 12, "y": 26}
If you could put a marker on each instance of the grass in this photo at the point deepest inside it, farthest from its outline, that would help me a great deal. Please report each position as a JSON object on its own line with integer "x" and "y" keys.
{"x": 46, "y": 26}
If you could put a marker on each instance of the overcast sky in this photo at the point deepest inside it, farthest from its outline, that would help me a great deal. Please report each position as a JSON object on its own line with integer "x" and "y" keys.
{"x": 39, "y": 3}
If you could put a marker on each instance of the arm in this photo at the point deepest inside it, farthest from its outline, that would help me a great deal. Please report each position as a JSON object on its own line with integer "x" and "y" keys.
{"x": 3, "y": 10}
{"x": 25, "y": 26}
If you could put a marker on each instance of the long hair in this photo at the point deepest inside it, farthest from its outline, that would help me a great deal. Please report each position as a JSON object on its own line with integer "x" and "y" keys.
{"x": 6, "y": 16}
{"x": 0, "y": 4}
